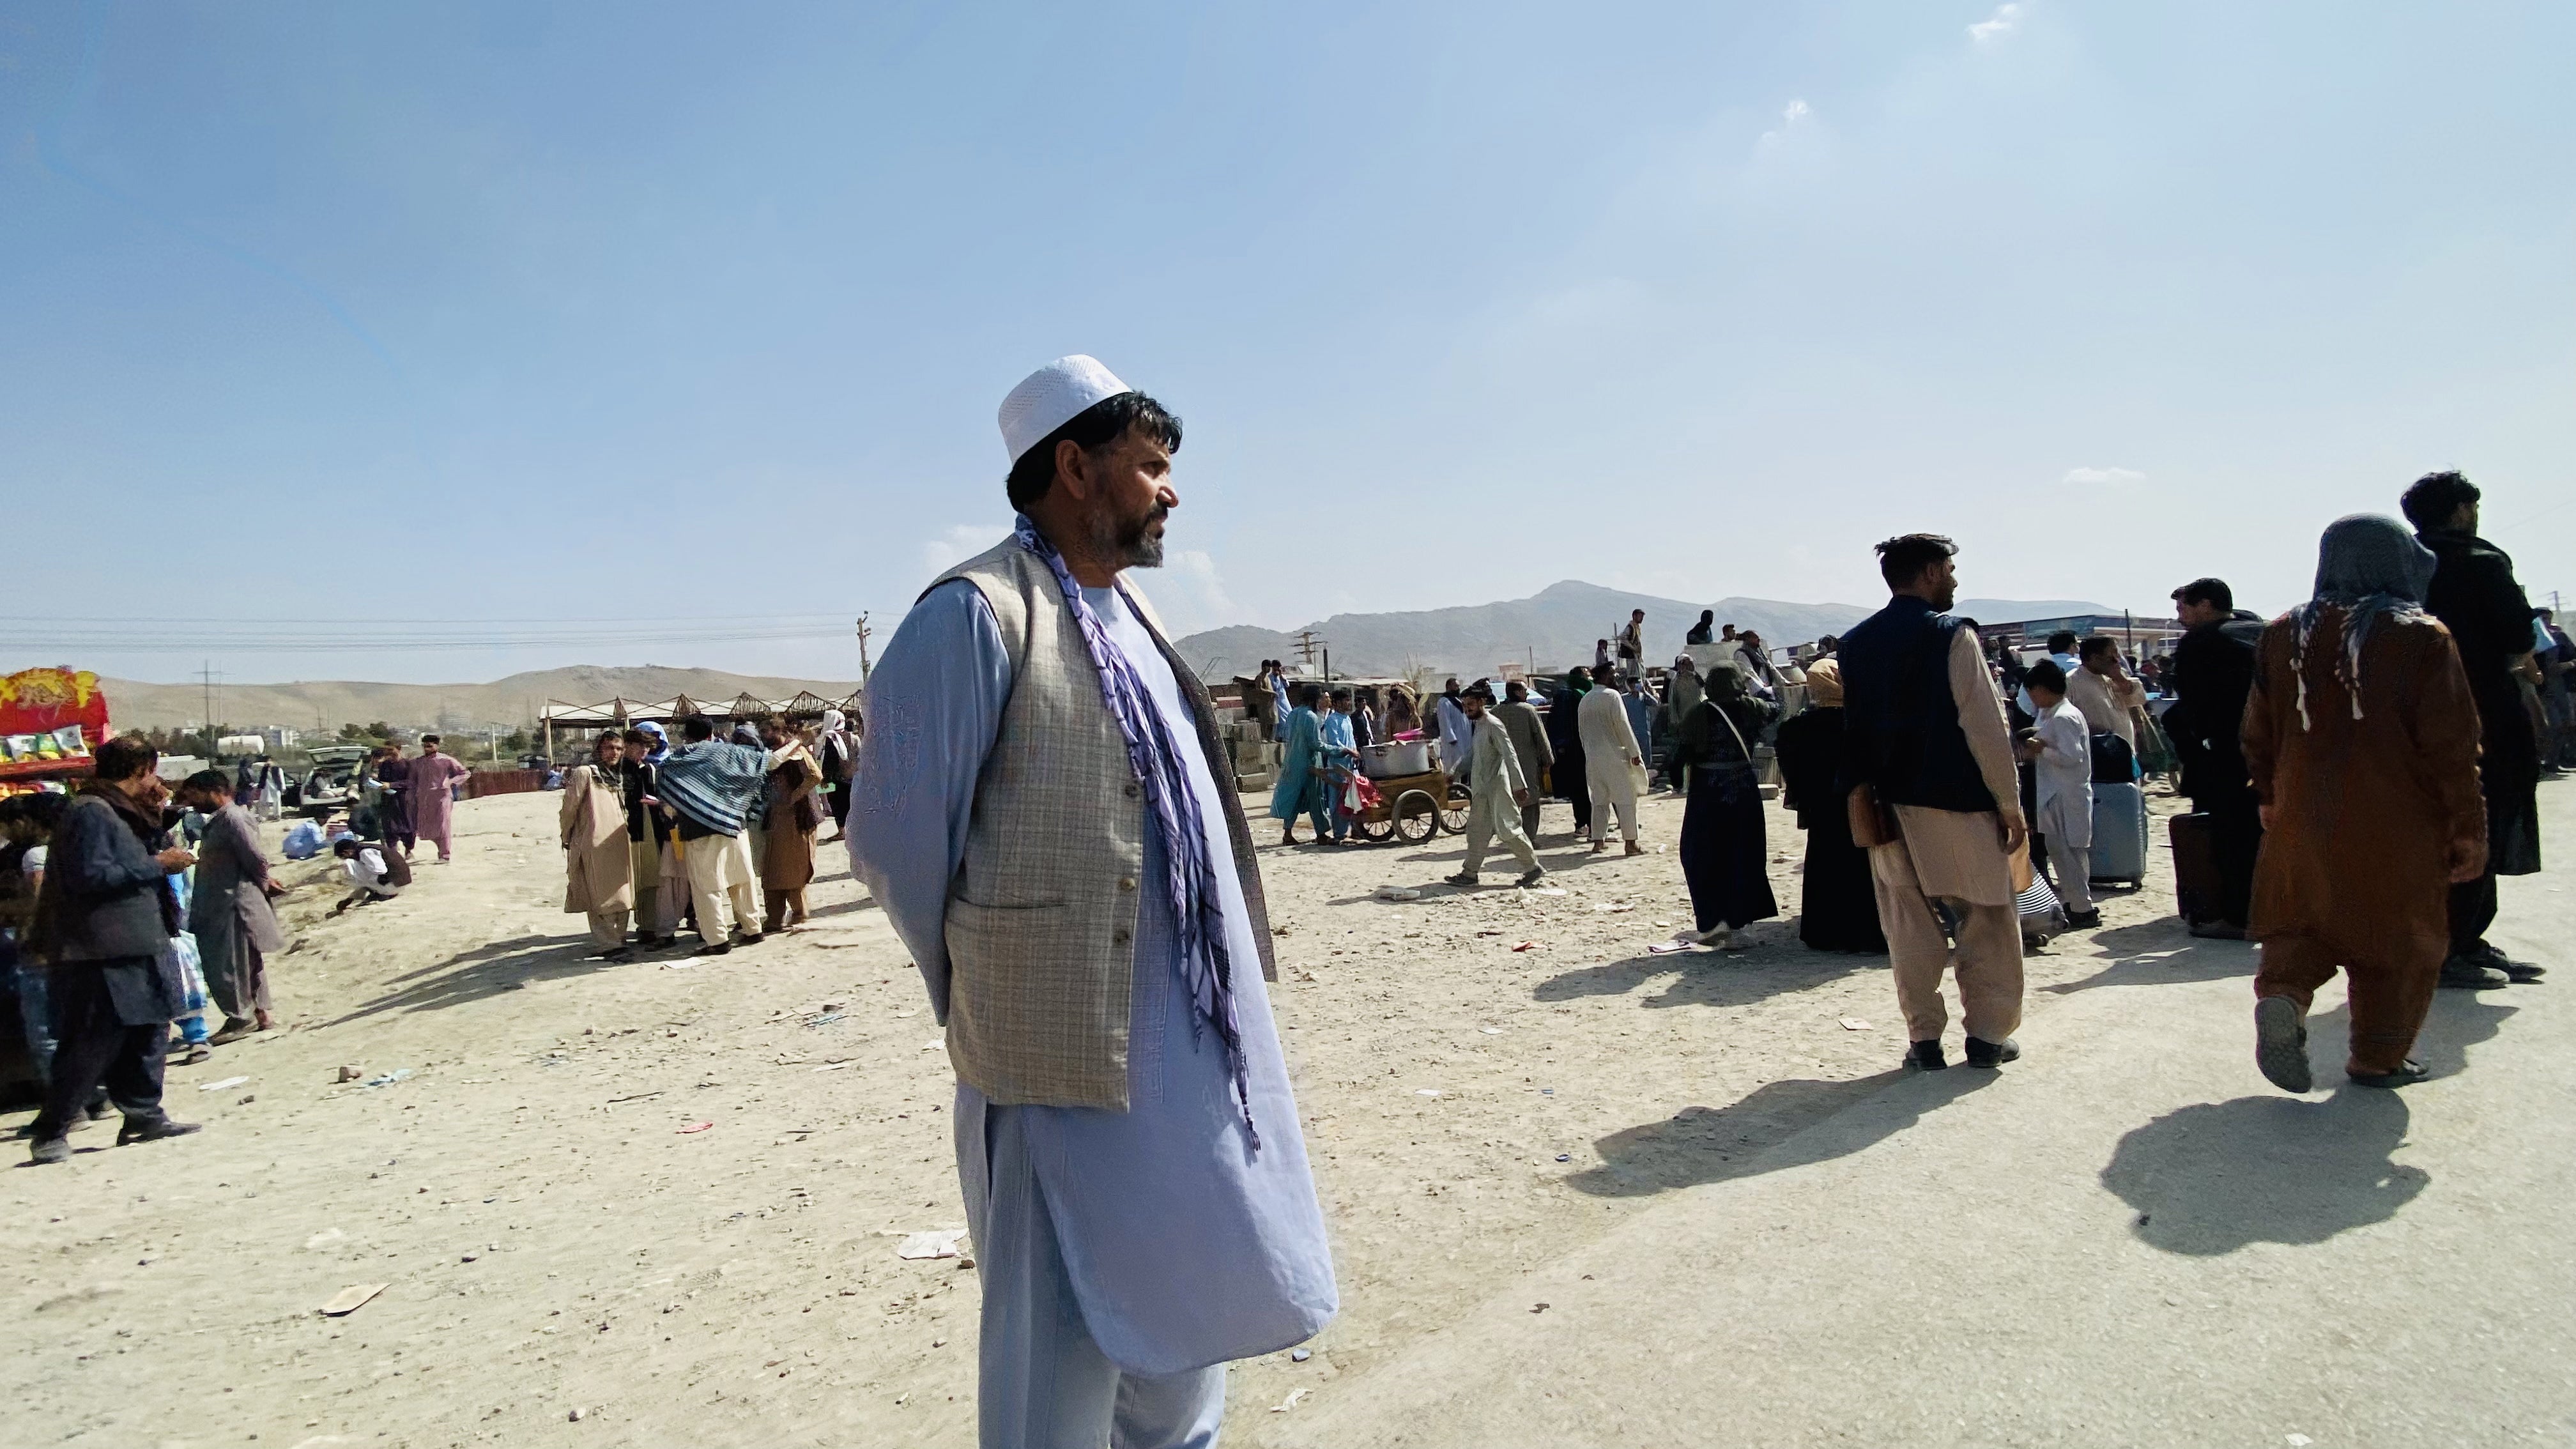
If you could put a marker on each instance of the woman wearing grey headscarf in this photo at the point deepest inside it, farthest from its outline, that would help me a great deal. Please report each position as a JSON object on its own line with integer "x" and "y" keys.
{"x": 2362, "y": 742}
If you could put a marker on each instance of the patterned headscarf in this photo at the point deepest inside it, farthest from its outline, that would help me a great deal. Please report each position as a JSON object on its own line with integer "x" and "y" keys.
{"x": 2371, "y": 568}
{"x": 1198, "y": 918}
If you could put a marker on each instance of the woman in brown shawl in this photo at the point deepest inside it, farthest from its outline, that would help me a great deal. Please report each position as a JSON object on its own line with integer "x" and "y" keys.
{"x": 2362, "y": 742}
{"x": 1837, "y": 904}
{"x": 789, "y": 816}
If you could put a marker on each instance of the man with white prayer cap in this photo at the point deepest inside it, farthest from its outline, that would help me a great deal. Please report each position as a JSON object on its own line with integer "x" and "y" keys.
{"x": 1036, "y": 811}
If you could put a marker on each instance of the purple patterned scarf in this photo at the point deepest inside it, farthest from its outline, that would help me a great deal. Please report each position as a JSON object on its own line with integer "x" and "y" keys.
{"x": 1198, "y": 918}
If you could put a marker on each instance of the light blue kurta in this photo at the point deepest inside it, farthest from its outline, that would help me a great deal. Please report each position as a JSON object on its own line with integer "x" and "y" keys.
{"x": 1301, "y": 749}
{"x": 1185, "y": 1247}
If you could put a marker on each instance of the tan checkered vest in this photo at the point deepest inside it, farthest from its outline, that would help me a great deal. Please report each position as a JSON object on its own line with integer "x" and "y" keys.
{"x": 1041, "y": 919}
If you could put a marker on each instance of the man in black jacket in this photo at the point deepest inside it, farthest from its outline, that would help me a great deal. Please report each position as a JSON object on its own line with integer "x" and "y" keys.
{"x": 103, "y": 917}
{"x": 2212, "y": 672}
{"x": 2475, "y": 596}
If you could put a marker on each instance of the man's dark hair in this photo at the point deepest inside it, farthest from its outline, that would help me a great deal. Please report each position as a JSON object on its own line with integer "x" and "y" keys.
{"x": 43, "y": 809}
{"x": 1341, "y": 694}
{"x": 1478, "y": 690}
{"x": 1516, "y": 689}
{"x": 2213, "y": 592}
{"x": 124, "y": 757}
{"x": 2061, "y": 642}
{"x": 2098, "y": 645}
{"x": 1091, "y": 430}
{"x": 1902, "y": 559}
{"x": 429, "y": 739}
{"x": 696, "y": 728}
{"x": 208, "y": 782}
{"x": 1307, "y": 694}
{"x": 637, "y": 737}
{"x": 1578, "y": 676}
{"x": 2046, "y": 674}
{"x": 2433, "y": 498}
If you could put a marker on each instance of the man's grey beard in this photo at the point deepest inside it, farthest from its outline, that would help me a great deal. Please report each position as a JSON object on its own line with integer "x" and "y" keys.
{"x": 1128, "y": 543}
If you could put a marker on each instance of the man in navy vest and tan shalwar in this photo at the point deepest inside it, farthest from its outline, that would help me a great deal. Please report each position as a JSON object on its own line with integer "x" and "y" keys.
{"x": 1924, "y": 732}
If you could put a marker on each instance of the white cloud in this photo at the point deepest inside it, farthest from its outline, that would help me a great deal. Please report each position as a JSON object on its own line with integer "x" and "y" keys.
{"x": 1189, "y": 592}
{"x": 957, "y": 544}
{"x": 1998, "y": 25}
{"x": 1792, "y": 115}
{"x": 2104, "y": 475}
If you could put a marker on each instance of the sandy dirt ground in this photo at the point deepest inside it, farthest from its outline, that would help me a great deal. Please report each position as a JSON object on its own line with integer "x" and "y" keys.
{"x": 660, "y": 1202}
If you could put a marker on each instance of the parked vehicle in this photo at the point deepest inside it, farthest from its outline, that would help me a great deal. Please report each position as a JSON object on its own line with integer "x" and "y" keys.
{"x": 332, "y": 782}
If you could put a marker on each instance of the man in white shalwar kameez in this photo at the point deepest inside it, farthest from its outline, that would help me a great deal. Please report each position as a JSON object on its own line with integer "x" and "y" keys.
{"x": 1611, "y": 760}
{"x": 1035, "y": 811}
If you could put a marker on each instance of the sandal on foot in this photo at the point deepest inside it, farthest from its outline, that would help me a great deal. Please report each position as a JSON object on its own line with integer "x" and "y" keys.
{"x": 2405, "y": 1074}
{"x": 2281, "y": 1044}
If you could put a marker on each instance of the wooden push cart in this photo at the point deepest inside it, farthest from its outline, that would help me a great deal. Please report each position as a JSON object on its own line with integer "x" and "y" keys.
{"x": 1413, "y": 808}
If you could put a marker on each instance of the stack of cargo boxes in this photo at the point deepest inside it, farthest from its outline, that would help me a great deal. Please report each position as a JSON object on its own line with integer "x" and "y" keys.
{"x": 1255, "y": 764}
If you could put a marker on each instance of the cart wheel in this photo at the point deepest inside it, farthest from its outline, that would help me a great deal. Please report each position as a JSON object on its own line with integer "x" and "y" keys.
{"x": 1416, "y": 817}
{"x": 1453, "y": 811}
{"x": 1378, "y": 831}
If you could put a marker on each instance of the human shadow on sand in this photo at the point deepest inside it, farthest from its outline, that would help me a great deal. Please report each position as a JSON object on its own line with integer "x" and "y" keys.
{"x": 1712, "y": 978}
{"x": 1717, "y": 1144}
{"x": 2159, "y": 953}
{"x": 486, "y": 971}
{"x": 2212, "y": 1178}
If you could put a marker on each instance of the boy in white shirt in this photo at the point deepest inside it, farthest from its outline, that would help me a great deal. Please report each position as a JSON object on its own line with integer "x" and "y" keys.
{"x": 2062, "y": 751}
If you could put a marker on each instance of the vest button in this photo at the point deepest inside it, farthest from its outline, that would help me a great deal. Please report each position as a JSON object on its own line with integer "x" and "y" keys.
{"x": 1134, "y": 790}
{"x": 1118, "y": 937}
{"x": 1126, "y": 882}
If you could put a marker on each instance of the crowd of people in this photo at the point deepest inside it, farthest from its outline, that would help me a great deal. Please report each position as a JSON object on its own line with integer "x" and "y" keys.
{"x": 131, "y": 907}
{"x": 1057, "y": 842}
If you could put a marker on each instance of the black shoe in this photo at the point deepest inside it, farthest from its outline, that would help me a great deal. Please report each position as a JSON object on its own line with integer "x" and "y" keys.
{"x": 1462, "y": 879}
{"x": 2521, "y": 973}
{"x": 615, "y": 954}
{"x": 153, "y": 1130}
{"x": 1530, "y": 877}
{"x": 2085, "y": 922}
{"x": 50, "y": 1149}
{"x": 749, "y": 938}
{"x": 718, "y": 949}
{"x": 2469, "y": 974}
{"x": 2217, "y": 931}
{"x": 2281, "y": 1044}
{"x": 1992, "y": 1054}
{"x": 2407, "y": 1074}
{"x": 1925, "y": 1056}
{"x": 100, "y": 1109}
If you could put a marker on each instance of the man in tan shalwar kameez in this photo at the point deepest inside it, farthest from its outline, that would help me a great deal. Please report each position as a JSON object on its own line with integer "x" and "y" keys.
{"x": 599, "y": 878}
{"x": 1925, "y": 743}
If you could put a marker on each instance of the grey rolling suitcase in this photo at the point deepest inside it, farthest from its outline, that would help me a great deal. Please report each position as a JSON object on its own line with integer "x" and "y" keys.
{"x": 2119, "y": 854}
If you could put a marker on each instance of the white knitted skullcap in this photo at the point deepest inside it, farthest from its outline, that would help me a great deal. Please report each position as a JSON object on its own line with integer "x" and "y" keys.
{"x": 1053, "y": 396}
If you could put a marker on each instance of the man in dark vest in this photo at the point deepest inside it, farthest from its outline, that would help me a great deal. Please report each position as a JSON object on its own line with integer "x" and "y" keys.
{"x": 1928, "y": 768}
{"x": 2476, "y": 597}
{"x": 2213, "y": 671}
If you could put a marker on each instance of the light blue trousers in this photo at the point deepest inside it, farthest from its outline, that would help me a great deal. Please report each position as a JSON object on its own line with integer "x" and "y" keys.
{"x": 1044, "y": 1383}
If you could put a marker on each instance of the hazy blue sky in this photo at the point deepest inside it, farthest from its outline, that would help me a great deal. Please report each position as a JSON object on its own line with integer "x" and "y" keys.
{"x": 528, "y": 312}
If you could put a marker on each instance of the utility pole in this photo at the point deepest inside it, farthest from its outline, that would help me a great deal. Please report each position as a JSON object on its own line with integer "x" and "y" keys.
{"x": 1308, "y": 642}
{"x": 206, "y": 677}
{"x": 863, "y": 651}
